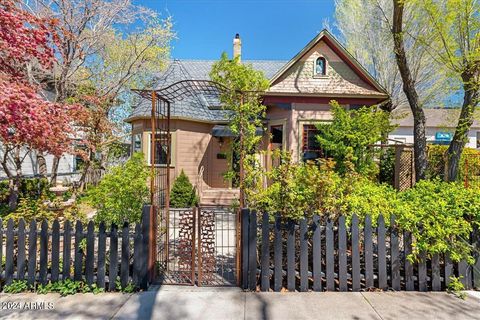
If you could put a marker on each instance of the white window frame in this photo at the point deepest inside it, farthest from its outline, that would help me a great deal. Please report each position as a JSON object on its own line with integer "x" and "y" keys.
{"x": 319, "y": 75}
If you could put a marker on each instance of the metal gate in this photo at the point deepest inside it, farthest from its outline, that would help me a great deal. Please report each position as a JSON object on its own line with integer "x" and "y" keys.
{"x": 201, "y": 247}
{"x": 194, "y": 246}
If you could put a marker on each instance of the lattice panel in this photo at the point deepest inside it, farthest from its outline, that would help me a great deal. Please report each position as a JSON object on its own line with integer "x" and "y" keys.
{"x": 207, "y": 264}
{"x": 186, "y": 246}
{"x": 404, "y": 169}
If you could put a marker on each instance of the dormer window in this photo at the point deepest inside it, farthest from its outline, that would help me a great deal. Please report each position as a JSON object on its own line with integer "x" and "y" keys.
{"x": 320, "y": 66}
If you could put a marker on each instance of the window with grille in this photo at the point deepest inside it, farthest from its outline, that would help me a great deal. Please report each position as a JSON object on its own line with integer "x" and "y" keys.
{"x": 310, "y": 146}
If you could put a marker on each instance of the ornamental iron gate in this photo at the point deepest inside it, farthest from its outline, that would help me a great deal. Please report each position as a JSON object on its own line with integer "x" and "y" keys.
{"x": 202, "y": 247}
{"x": 194, "y": 246}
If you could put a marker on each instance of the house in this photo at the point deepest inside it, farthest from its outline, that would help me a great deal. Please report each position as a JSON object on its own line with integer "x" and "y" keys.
{"x": 440, "y": 126}
{"x": 299, "y": 96}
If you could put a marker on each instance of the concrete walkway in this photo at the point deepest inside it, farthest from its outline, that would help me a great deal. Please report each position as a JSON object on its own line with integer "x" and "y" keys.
{"x": 174, "y": 302}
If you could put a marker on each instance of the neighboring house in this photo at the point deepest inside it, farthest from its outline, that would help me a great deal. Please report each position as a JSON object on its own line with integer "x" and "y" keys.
{"x": 67, "y": 166}
{"x": 299, "y": 96}
{"x": 440, "y": 126}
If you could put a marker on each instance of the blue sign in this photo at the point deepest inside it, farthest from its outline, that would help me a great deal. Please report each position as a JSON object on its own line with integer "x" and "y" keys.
{"x": 443, "y": 136}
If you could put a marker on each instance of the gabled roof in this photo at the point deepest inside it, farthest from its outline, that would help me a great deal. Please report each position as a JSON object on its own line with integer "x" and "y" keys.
{"x": 202, "y": 108}
{"x": 340, "y": 50}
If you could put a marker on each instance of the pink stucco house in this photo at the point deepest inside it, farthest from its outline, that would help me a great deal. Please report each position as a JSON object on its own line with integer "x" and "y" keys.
{"x": 299, "y": 96}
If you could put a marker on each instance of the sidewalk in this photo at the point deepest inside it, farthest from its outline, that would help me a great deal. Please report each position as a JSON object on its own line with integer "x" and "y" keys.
{"x": 175, "y": 302}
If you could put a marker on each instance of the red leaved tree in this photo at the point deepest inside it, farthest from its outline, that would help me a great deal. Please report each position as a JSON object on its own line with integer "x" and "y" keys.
{"x": 27, "y": 120}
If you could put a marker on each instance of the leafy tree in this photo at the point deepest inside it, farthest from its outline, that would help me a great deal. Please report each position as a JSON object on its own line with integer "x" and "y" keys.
{"x": 110, "y": 46}
{"x": 365, "y": 28}
{"x": 27, "y": 121}
{"x": 242, "y": 95}
{"x": 183, "y": 193}
{"x": 348, "y": 138}
{"x": 406, "y": 73}
{"x": 454, "y": 42}
{"x": 122, "y": 192}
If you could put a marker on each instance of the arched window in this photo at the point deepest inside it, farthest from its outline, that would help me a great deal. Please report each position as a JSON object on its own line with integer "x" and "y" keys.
{"x": 320, "y": 66}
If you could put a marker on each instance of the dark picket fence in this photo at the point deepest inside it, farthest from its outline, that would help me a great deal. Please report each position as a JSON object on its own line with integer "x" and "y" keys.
{"x": 39, "y": 254}
{"x": 321, "y": 255}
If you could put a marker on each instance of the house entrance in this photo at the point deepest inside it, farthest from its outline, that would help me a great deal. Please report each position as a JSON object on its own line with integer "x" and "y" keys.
{"x": 201, "y": 247}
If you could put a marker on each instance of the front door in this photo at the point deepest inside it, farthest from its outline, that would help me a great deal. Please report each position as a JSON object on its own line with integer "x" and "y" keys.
{"x": 277, "y": 142}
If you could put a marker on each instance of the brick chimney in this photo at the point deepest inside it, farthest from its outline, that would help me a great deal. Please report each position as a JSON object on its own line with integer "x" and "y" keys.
{"x": 237, "y": 47}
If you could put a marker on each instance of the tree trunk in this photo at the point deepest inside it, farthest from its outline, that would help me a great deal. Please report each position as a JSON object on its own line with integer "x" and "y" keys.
{"x": 465, "y": 121}
{"x": 42, "y": 164}
{"x": 420, "y": 141}
{"x": 15, "y": 181}
{"x": 53, "y": 179}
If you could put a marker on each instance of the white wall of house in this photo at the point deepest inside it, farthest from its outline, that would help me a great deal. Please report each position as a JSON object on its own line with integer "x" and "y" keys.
{"x": 66, "y": 166}
{"x": 405, "y": 135}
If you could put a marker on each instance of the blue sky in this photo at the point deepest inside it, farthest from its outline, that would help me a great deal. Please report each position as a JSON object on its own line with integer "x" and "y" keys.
{"x": 269, "y": 29}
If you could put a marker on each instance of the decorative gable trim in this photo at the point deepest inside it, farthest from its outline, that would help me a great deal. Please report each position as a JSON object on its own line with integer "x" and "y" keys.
{"x": 337, "y": 47}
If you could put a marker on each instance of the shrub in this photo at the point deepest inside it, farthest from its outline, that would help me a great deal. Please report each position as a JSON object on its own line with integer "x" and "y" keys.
{"x": 440, "y": 216}
{"x": 122, "y": 192}
{"x": 183, "y": 193}
{"x": 348, "y": 138}
{"x": 369, "y": 198}
{"x": 30, "y": 189}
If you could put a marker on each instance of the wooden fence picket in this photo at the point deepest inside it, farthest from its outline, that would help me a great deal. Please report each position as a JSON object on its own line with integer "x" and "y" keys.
{"x": 355, "y": 254}
{"x": 436, "y": 278}
{"x": 124, "y": 265}
{"x": 102, "y": 243}
{"x": 55, "y": 251}
{"x": 21, "y": 257}
{"x": 407, "y": 242}
{"x": 422, "y": 272}
{"x": 303, "y": 255}
{"x": 137, "y": 256}
{"x": 382, "y": 253}
{"x": 448, "y": 270}
{"x": 342, "y": 255}
{"x": 43, "y": 252}
{"x": 368, "y": 252}
{"x": 89, "y": 260}
{"x": 78, "y": 263}
{"x": 317, "y": 254}
{"x": 32, "y": 252}
{"x": 9, "y": 253}
{"x": 278, "y": 254}
{"x": 330, "y": 247}
{"x": 67, "y": 247}
{"x": 463, "y": 272}
{"x": 265, "y": 258}
{"x": 395, "y": 264}
{"x": 113, "y": 268}
{"x": 291, "y": 256}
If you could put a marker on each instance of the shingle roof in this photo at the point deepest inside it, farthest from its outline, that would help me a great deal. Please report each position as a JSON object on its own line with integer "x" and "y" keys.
{"x": 200, "y": 108}
{"x": 436, "y": 118}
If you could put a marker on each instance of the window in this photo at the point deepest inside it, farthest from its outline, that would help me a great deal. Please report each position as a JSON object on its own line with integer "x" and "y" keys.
{"x": 161, "y": 140}
{"x": 137, "y": 142}
{"x": 320, "y": 66}
{"x": 276, "y": 134}
{"x": 310, "y": 147}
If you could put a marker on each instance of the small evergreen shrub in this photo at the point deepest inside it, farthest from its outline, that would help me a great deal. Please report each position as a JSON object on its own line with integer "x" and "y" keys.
{"x": 183, "y": 193}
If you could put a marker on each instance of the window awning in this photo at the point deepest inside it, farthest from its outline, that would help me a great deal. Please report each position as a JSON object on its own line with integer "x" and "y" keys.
{"x": 221, "y": 131}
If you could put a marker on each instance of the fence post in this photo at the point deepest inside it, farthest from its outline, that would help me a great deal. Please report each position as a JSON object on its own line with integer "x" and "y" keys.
{"x": 245, "y": 215}
{"x": 148, "y": 264}
{"x": 252, "y": 252}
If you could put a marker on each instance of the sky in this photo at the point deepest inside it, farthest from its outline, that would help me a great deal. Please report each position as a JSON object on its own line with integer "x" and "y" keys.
{"x": 269, "y": 29}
